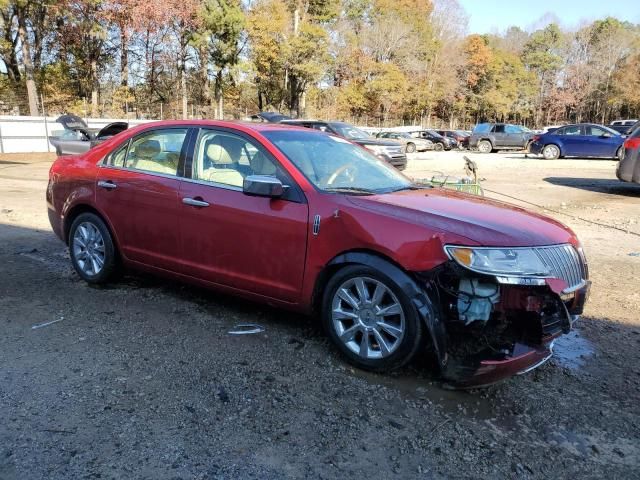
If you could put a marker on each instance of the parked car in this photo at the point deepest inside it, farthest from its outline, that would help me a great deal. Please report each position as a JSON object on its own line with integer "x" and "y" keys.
{"x": 461, "y": 137}
{"x": 308, "y": 221}
{"x": 629, "y": 166}
{"x": 77, "y": 137}
{"x": 578, "y": 140}
{"x": 624, "y": 127}
{"x": 388, "y": 150}
{"x": 488, "y": 137}
{"x": 439, "y": 142}
{"x": 268, "y": 117}
{"x": 411, "y": 144}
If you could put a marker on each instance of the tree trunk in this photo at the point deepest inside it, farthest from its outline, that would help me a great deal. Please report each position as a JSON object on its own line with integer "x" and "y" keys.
{"x": 124, "y": 58}
{"x": 94, "y": 88}
{"x": 183, "y": 88}
{"x": 206, "y": 85}
{"x": 32, "y": 92}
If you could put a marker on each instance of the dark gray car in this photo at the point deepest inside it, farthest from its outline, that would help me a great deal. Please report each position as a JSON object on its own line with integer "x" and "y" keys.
{"x": 388, "y": 150}
{"x": 629, "y": 167}
{"x": 77, "y": 137}
{"x": 488, "y": 137}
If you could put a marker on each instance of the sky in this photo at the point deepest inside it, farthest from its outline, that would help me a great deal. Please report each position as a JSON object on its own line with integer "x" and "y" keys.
{"x": 493, "y": 16}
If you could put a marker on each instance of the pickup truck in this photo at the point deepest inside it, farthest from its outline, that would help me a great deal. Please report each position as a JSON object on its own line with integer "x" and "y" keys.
{"x": 488, "y": 137}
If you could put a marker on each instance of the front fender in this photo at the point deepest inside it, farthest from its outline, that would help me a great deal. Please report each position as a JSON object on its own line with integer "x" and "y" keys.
{"x": 421, "y": 297}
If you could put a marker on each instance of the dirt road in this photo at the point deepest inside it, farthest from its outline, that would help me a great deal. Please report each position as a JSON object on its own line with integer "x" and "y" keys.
{"x": 142, "y": 380}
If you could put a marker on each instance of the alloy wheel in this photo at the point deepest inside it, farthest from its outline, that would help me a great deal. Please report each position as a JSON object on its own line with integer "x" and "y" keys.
{"x": 89, "y": 249}
{"x": 551, "y": 152}
{"x": 368, "y": 318}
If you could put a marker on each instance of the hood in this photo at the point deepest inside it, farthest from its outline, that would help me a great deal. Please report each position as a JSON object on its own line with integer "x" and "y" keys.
{"x": 73, "y": 122}
{"x": 483, "y": 221}
{"x": 375, "y": 141}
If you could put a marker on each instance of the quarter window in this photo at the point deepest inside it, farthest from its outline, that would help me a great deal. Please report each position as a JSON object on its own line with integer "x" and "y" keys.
{"x": 227, "y": 159}
{"x": 157, "y": 151}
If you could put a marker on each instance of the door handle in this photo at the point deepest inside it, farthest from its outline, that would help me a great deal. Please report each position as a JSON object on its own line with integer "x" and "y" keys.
{"x": 194, "y": 202}
{"x": 108, "y": 184}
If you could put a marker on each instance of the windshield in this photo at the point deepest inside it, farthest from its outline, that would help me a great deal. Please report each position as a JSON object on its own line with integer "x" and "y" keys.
{"x": 332, "y": 164}
{"x": 349, "y": 131}
{"x": 435, "y": 134}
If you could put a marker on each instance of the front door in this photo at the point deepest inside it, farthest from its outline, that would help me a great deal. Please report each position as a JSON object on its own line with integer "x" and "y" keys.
{"x": 137, "y": 189}
{"x": 601, "y": 142}
{"x": 255, "y": 244}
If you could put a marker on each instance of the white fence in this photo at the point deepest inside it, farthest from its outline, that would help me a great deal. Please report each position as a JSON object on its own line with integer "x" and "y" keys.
{"x": 23, "y": 134}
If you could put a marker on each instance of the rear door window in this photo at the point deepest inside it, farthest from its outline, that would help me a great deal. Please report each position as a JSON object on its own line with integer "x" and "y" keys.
{"x": 157, "y": 151}
{"x": 570, "y": 130}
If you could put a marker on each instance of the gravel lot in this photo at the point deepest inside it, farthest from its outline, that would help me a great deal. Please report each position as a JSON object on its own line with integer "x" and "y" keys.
{"x": 141, "y": 379}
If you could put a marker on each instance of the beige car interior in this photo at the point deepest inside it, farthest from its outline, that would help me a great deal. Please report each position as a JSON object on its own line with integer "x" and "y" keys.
{"x": 147, "y": 155}
{"x": 227, "y": 159}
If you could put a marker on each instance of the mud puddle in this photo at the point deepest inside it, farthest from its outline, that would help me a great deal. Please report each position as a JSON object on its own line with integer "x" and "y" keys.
{"x": 572, "y": 351}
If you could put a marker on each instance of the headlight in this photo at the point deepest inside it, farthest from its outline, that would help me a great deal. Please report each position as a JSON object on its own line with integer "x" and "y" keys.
{"x": 499, "y": 261}
{"x": 377, "y": 149}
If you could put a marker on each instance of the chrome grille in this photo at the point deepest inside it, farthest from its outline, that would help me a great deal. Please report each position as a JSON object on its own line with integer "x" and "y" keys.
{"x": 564, "y": 262}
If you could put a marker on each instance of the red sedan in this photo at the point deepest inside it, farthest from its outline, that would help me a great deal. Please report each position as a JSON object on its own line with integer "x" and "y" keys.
{"x": 308, "y": 221}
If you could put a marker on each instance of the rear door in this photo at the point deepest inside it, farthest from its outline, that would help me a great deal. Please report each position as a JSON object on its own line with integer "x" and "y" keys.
{"x": 137, "y": 188}
{"x": 499, "y": 135}
{"x": 254, "y": 244}
{"x": 570, "y": 139}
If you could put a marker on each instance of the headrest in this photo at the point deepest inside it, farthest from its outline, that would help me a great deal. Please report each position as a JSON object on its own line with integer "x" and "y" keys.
{"x": 148, "y": 148}
{"x": 261, "y": 165}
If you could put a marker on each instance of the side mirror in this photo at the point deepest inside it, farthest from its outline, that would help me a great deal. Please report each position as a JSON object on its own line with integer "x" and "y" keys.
{"x": 262, "y": 186}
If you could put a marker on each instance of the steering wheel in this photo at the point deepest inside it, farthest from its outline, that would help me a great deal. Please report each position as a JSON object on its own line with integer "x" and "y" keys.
{"x": 343, "y": 170}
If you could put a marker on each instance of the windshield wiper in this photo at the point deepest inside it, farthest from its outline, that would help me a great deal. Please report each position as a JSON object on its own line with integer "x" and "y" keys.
{"x": 356, "y": 190}
{"x": 413, "y": 186}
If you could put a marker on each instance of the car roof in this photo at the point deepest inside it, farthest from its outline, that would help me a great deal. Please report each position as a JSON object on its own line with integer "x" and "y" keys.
{"x": 238, "y": 125}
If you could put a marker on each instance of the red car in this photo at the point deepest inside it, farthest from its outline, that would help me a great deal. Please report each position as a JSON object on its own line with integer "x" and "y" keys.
{"x": 311, "y": 222}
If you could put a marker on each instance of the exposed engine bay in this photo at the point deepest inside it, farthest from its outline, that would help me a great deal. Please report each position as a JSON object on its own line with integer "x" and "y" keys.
{"x": 490, "y": 325}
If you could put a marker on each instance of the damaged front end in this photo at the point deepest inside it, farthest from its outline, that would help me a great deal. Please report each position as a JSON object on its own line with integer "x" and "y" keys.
{"x": 504, "y": 323}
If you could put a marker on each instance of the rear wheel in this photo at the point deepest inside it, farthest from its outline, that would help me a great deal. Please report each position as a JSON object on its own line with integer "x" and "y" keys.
{"x": 551, "y": 152}
{"x": 484, "y": 146}
{"x": 620, "y": 153}
{"x": 92, "y": 250}
{"x": 370, "y": 319}
{"x": 410, "y": 148}
{"x": 438, "y": 147}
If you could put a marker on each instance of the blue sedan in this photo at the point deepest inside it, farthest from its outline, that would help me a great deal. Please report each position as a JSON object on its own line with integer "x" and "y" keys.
{"x": 579, "y": 140}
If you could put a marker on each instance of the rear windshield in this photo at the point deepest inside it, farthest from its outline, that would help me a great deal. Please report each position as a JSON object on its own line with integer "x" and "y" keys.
{"x": 482, "y": 128}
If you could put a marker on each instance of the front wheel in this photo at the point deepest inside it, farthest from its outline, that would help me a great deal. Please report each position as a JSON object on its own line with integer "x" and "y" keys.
{"x": 620, "y": 153}
{"x": 438, "y": 147}
{"x": 484, "y": 146}
{"x": 371, "y": 319}
{"x": 551, "y": 152}
{"x": 92, "y": 250}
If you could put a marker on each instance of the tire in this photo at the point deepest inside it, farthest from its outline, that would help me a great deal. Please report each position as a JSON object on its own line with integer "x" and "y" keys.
{"x": 346, "y": 316}
{"x": 93, "y": 253}
{"x": 410, "y": 148}
{"x": 58, "y": 152}
{"x": 620, "y": 154}
{"x": 551, "y": 152}
{"x": 438, "y": 147}
{"x": 484, "y": 146}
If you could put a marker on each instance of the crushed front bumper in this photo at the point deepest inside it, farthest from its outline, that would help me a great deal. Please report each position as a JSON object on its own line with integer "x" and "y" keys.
{"x": 517, "y": 338}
